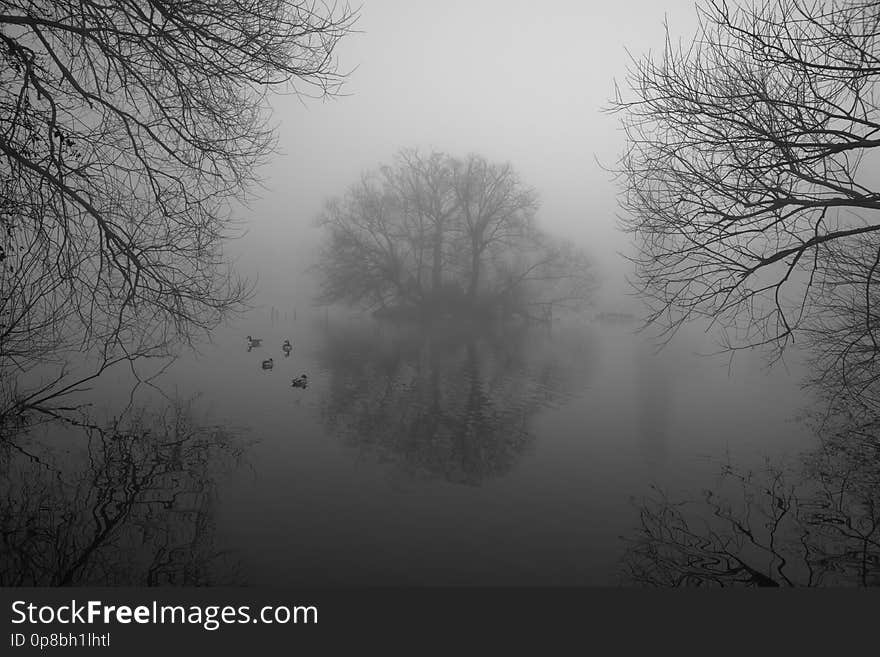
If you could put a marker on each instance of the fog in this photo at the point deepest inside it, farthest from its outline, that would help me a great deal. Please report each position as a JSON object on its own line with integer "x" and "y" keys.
{"x": 509, "y": 80}
{"x": 462, "y": 408}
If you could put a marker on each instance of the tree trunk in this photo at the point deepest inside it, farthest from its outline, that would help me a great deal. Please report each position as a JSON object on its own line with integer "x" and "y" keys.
{"x": 437, "y": 271}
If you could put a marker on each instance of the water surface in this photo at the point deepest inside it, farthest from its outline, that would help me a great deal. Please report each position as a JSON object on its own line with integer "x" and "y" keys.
{"x": 466, "y": 456}
{"x": 456, "y": 455}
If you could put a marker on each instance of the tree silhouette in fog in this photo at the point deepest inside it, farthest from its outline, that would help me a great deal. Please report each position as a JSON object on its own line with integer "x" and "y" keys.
{"x": 442, "y": 404}
{"x": 841, "y": 336}
{"x": 749, "y": 184}
{"x": 747, "y": 179}
{"x": 439, "y": 235}
{"x": 137, "y": 508}
{"x": 126, "y": 128}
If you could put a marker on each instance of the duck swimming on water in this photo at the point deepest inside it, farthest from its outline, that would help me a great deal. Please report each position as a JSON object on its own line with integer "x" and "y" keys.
{"x": 287, "y": 348}
{"x": 268, "y": 364}
{"x": 254, "y": 342}
{"x": 301, "y": 382}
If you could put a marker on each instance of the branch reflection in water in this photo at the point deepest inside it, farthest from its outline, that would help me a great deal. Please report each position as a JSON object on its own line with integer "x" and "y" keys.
{"x": 815, "y": 522}
{"x": 130, "y": 502}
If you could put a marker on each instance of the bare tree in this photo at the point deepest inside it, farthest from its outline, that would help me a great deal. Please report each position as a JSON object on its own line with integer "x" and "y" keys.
{"x": 125, "y": 130}
{"x": 747, "y": 171}
{"x": 435, "y": 234}
{"x": 497, "y": 210}
{"x": 549, "y": 274}
{"x": 424, "y": 185}
{"x": 841, "y": 334}
{"x": 363, "y": 259}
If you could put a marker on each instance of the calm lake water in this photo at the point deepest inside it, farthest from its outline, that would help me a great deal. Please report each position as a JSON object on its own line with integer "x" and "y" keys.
{"x": 461, "y": 455}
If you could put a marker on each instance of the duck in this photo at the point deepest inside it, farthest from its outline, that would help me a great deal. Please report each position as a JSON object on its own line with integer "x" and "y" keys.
{"x": 268, "y": 364}
{"x": 254, "y": 342}
{"x": 287, "y": 348}
{"x": 301, "y": 382}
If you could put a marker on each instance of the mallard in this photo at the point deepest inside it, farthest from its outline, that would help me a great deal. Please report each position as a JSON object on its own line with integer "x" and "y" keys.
{"x": 268, "y": 364}
{"x": 287, "y": 347}
{"x": 301, "y": 382}
{"x": 254, "y": 342}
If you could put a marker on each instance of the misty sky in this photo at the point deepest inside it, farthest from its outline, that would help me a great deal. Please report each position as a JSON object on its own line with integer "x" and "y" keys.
{"x": 522, "y": 82}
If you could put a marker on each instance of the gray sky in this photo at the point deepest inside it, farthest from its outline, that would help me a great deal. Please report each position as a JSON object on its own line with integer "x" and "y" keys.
{"x": 516, "y": 81}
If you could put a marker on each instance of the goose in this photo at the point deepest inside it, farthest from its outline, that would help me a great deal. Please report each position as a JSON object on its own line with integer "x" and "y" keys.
{"x": 268, "y": 364}
{"x": 254, "y": 342}
{"x": 301, "y": 382}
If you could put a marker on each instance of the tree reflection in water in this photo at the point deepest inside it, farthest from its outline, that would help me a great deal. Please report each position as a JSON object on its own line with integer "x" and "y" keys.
{"x": 135, "y": 508}
{"x": 453, "y": 403}
{"x": 814, "y": 524}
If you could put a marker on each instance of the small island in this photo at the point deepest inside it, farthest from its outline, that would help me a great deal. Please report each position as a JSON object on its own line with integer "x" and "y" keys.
{"x": 433, "y": 236}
